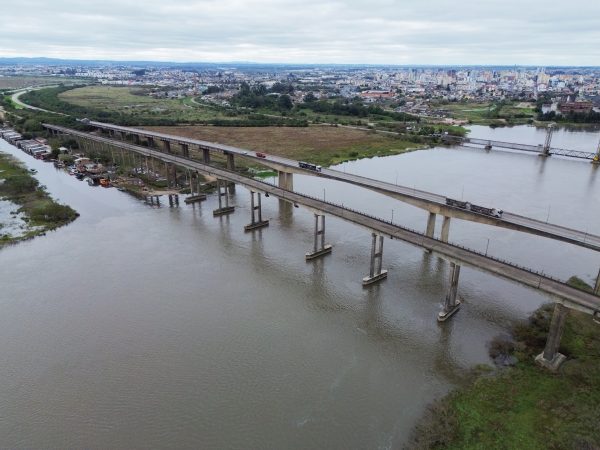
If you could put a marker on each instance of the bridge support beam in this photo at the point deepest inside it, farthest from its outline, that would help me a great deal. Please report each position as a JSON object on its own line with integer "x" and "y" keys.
{"x": 550, "y": 358}
{"x": 150, "y": 141}
{"x": 597, "y": 285}
{"x": 451, "y": 302}
{"x": 136, "y": 139}
{"x": 430, "y": 225}
{"x": 224, "y": 207}
{"x": 256, "y": 213}
{"x": 185, "y": 150}
{"x": 375, "y": 272}
{"x": 230, "y": 161}
{"x": 167, "y": 145}
{"x": 445, "y": 229}
{"x": 285, "y": 180}
{"x": 320, "y": 248}
{"x": 206, "y": 156}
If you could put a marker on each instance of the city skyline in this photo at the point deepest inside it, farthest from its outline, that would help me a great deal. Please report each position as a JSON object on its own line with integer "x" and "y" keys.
{"x": 286, "y": 32}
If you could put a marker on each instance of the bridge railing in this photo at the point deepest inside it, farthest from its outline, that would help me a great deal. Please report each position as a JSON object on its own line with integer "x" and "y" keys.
{"x": 541, "y": 274}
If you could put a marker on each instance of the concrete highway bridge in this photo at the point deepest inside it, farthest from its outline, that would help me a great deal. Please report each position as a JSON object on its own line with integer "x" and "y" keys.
{"x": 434, "y": 204}
{"x": 564, "y": 296}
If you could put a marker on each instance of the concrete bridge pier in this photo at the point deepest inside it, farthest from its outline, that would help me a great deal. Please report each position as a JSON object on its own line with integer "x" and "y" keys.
{"x": 445, "y": 229}
{"x": 224, "y": 207}
{"x": 320, "y": 248}
{"x": 173, "y": 200}
{"x": 375, "y": 272}
{"x": 150, "y": 141}
{"x": 285, "y": 180}
{"x": 488, "y": 146}
{"x": 230, "y": 161}
{"x": 256, "y": 213}
{"x": 451, "y": 302}
{"x": 185, "y": 150}
{"x": 167, "y": 145}
{"x": 206, "y": 156}
{"x": 430, "y": 230}
{"x": 597, "y": 285}
{"x": 136, "y": 139}
{"x": 550, "y": 358}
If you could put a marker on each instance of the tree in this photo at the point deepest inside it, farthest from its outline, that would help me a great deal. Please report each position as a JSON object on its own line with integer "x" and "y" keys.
{"x": 285, "y": 102}
{"x": 309, "y": 98}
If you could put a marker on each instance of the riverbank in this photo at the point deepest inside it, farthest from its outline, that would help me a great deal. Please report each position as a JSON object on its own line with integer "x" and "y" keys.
{"x": 525, "y": 406}
{"x": 38, "y": 212}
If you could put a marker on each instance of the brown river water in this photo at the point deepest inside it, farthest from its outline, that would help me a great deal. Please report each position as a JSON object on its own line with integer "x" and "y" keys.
{"x": 142, "y": 327}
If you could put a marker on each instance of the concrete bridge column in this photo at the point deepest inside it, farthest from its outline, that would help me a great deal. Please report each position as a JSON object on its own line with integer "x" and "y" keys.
{"x": 445, "y": 229}
{"x": 136, "y": 139}
{"x": 550, "y": 358}
{"x": 256, "y": 213}
{"x": 194, "y": 182}
{"x": 375, "y": 272}
{"x": 596, "y": 159}
{"x": 224, "y": 207}
{"x": 320, "y": 248}
{"x": 167, "y": 145}
{"x": 168, "y": 170}
{"x": 185, "y": 150}
{"x": 451, "y": 302}
{"x": 597, "y": 285}
{"x": 230, "y": 161}
{"x": 150, "y": 141}
{"x": 286, "y": 180}
{"x": 206, "y": 155}
{"x": 429, "y": 232}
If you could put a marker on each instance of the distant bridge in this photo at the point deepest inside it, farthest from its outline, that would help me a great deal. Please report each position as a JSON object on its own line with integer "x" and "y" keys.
{"x": 542, "y": 150}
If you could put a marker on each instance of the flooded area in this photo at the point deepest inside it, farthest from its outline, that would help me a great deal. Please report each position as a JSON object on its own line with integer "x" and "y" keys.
{"x": 138, "y": 326}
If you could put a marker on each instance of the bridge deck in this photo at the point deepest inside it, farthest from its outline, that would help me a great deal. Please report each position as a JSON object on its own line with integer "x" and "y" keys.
{"x": 419, "y": 198}
{"x": 572, "y": 297}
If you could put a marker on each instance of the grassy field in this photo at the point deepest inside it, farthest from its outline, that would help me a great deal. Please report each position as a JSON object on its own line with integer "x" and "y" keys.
{"x": 525, "y": 406}
{"x": 489, "y": 113}
{"x": 135, "y": 102}
{"x": 324, "y": 145}
{"x": 41, "y": 211}
{"x": 18, "y": 82}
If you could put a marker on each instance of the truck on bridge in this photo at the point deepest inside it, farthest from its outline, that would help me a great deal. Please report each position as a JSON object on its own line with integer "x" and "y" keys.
{"x": 309, "y": 166}
{"x": 493, "y": 212}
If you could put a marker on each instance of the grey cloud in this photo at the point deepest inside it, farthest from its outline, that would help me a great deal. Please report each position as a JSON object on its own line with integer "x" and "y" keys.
{"x": 377, "y": 31}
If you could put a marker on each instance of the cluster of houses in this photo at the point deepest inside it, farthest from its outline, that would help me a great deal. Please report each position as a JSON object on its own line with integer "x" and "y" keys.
{"x": 38, "y": 147}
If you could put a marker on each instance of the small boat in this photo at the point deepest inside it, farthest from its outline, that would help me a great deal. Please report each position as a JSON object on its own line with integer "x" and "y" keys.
{"x": 33, "y": 170}
{"x": 104, "y": 182}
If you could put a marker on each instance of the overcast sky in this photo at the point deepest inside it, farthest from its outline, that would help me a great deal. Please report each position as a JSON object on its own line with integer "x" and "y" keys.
{"x": 528, "y": 32}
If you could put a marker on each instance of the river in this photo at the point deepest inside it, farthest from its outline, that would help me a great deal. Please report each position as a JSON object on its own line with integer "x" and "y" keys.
{"x": 139, "y": 327}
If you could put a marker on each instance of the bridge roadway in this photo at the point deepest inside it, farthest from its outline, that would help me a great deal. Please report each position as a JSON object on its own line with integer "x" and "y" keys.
{"x": 434, "y": 203}
{"x": 567, "y": 295}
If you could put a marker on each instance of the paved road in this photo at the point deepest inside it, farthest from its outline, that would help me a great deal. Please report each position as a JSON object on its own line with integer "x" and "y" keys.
{"x": 422, "y": 199}
{"x": 572, "y": 297}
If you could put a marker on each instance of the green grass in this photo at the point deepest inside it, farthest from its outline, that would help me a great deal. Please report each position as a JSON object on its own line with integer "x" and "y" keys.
{"x": 136, "y": 103}
{"x": 488, "y": 113}
{"x": 526, "y": 407}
